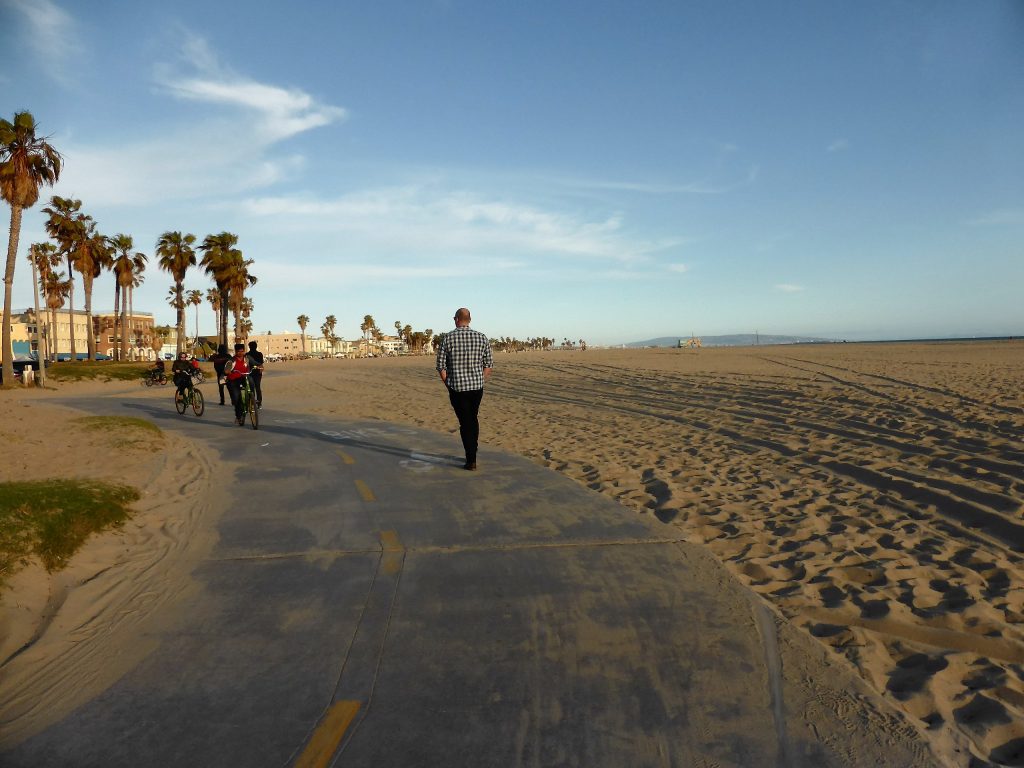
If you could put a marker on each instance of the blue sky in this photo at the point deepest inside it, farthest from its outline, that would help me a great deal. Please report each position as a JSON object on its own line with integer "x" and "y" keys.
{"x": 612, "y": 171}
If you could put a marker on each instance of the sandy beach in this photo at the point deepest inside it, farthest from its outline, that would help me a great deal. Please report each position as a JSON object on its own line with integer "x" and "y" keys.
{"x": 871, "y": 493}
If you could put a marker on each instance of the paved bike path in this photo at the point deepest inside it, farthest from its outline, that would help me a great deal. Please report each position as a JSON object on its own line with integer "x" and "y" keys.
{"x": 369, "y": 602}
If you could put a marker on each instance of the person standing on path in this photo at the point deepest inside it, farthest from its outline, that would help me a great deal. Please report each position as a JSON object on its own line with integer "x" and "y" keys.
{"x": 464, "y": 364}
{"x": 219, "y": 360}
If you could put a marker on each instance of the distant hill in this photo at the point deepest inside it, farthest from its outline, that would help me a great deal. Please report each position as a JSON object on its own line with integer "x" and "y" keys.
{"x": 730, "y": 340}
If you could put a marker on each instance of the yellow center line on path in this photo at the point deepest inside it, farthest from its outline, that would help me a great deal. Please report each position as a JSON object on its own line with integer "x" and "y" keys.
{"x": 346, "y": 458}
{"x": 364, "y": 491}
{"x": 394, "y": 552}
{"x": 328, "y": 735}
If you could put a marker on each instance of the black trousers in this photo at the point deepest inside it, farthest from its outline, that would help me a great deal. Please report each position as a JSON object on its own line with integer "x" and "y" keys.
{"x": 257, "y": 385}
{"x": 467, "y": 406}
{"x": 235, "y": 390}
{"x": 183, "y": 382}
{"x": 220, "y": 375}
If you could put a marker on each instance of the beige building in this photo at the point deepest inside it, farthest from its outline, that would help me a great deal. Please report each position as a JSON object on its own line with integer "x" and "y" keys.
{"x": 285, "y": 344}
{"x": 289, "y": 344}
{"x": 140, "y": 335}
{"x": 58, "y": 338}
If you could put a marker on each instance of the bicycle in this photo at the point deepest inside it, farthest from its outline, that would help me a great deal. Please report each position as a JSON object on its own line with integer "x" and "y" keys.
{"x": 155, "y": 377}
{"x": 191, "y": 397}
{"x": 248, "y": 395}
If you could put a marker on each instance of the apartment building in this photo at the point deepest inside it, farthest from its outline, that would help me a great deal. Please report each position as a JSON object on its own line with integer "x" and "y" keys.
{"x": 57, "y": 340}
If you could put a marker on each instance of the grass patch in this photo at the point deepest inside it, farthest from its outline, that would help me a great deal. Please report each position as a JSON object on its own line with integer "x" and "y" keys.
{"x": 117, "y": 422}
{"x": 51, "y": 519}
{"x": 102, "y": 370}
{"x": 124, "y": 431}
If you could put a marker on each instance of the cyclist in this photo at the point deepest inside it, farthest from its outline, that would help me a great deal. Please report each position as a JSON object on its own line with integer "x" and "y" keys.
{"x": 235, "y": 370}
{"x": 182, "y": 370}
{"x": 158, "y": 370}
{"x": 255, "y": 359}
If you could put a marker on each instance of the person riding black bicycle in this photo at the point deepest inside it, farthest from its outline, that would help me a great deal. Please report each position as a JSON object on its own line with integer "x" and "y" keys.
{"x": 157, "y": 374}
{"x": 236, "y": 369}
{"x": 255, "y": 359}
{"x": 182, "y": 370}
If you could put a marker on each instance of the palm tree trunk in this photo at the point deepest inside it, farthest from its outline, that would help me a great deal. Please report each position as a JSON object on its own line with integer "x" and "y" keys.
{"x": 131, "y": 314}
{"x": 12, "y": 252}
{"x": 71, "y": 308}
{"x": 89, "y": 334}
{"x": 116, "y": 349}
{"x": 224, "y": 319}
{"x": 40, "y": 352}
{"x": 51, "y": 343}
{"x": 179, "y": 308}
{"x": 126, "y": 327}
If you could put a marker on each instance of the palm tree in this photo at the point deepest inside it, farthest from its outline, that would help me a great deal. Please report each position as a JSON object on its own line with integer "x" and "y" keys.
{"x": 213, "y": 299}
{"x": 176, "y": 256}
{"x": 195, "y": 298}
{"x": 330, "y": 322}
{"x": 220, "y": 260}
{"x": 26, "y": 163}
{"x": 92, "y": 256}
{"x": 303, "y": 321}
{"x": 62, "y": 225}
{"x": 126, "y": 267}
{"x": 56, "y": 289}
{"x": 177, "y": 303}
{"x": 367, "y": 325}
{"x": 138, "y": 278}
{"x": 45, "y": 257}
{"x": 239, "y": 281}
{"x": 159, "y": 338}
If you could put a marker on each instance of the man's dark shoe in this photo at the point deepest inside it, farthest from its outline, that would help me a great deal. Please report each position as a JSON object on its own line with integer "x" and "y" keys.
{"x": 470, "y": 465}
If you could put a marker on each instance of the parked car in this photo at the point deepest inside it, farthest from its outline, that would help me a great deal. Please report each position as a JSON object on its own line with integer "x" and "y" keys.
{"x": 66, "y": 357}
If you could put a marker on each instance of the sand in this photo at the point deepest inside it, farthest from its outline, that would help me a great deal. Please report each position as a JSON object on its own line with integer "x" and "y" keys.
{"x": 871, "y": 493}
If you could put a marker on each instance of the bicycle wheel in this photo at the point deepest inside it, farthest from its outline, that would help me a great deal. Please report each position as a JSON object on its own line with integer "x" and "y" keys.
{"x": 162, "y": 379}
{"x": 149, "y": 381}
{"x": 198, "y": 406}
{"x": 254, "y": 412}
{"x": 179, "y": 402}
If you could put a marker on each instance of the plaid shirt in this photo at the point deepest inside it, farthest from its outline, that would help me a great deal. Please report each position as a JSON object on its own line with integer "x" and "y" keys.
{"x": 464, "y": 353}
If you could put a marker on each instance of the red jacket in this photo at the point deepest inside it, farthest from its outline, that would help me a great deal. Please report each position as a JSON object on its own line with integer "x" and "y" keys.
{"x": 236, "y": 368}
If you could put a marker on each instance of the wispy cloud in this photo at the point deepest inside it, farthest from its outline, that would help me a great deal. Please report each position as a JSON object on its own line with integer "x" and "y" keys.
{"x": 789, "y": 288}
{"x": 284, "y": 274}
{"x": 651, "y": 188}
{"x": 281, "y": 112}
{"x": 678, "y": 268}
{"x": 222, "y": 153}
{"x": 839, "y": 145}
{"x": 999, "y": 217}
{"x": 432, "y": 219}
{"x": 50, "y": 33}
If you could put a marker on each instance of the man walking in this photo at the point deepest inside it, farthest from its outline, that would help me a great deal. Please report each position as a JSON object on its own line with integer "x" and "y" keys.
{"x": 464, "y": 363}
